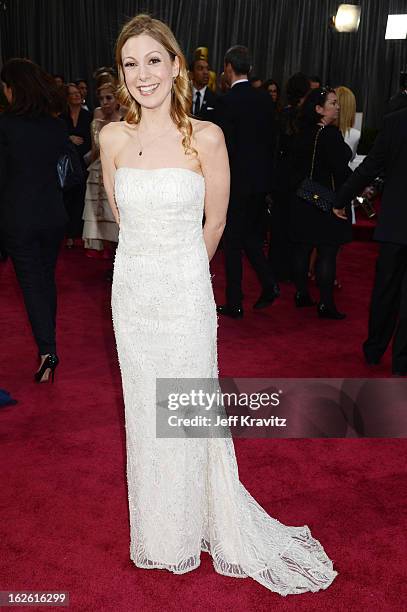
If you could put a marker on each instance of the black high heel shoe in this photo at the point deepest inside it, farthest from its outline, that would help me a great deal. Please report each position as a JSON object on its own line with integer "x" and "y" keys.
{"x": 50, "y": 363}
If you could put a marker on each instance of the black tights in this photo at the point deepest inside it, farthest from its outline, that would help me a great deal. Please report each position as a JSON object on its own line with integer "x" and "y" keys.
{"x": 325, "y": 269}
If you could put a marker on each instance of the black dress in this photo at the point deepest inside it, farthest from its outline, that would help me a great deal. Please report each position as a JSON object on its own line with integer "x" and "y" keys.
{"x": 308, "y": 224}
{"x": 75, "y": 198}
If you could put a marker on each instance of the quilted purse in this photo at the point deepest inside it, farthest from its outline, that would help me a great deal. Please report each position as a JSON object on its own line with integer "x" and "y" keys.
{"x": 69, "y": 168}
{"x": 313, "y": 192}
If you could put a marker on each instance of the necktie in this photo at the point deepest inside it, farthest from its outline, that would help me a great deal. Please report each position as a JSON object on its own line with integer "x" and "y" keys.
{"x": 197, "y": 103}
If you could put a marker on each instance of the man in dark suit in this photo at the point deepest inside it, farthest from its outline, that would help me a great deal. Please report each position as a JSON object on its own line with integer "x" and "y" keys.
{"x": 203, "y": 99}
{"x": 246, "y": 115}
{"x": 388, "y": 308}
{"x": 399, "y": 101}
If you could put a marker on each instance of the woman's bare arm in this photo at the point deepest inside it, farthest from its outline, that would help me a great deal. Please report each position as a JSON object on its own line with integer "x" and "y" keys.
{"x": 215, "y": 168}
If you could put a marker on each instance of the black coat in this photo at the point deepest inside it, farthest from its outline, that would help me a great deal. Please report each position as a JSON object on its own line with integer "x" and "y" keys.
{"x": 388, "y": 156}
{"x": 30, "y": 196}
{"x": 307, "y": 223}
{"x": 246, "y": 116}
{"x": 81, "y": 129}
{"x": 207, "y": 112}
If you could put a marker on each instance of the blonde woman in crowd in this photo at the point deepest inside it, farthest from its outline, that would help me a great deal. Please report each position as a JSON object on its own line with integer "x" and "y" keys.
{"x": 99, "y": 223}
{"x": 346, "y": 119}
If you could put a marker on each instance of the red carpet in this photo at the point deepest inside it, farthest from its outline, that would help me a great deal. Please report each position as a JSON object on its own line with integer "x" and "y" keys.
{"x": 64, "y": 523}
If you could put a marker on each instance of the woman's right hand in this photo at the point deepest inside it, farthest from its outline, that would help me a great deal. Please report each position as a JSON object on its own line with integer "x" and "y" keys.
{"x": 77, "y": 140}
{"x": 340, "y": 213}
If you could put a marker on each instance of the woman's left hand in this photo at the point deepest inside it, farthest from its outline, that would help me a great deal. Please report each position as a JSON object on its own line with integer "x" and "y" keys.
{"x": 340, "y": 213}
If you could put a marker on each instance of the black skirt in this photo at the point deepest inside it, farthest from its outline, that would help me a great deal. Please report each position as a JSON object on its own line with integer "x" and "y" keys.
{"x": 310, "y": 225}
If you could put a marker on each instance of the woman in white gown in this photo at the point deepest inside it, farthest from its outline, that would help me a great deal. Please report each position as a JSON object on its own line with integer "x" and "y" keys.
{"x": 162, "y": 170}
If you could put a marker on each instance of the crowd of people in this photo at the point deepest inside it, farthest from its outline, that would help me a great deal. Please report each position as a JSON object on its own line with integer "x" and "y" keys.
{"x": 276, "y": 137}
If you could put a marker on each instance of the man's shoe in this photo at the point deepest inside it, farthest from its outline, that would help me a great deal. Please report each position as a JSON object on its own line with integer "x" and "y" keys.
{"x": 330, "y": 312}
{"x": 303, "y": 300}
{"x": 235, "y": 312}
{"x": 372, "y": 358}
{"x": 372, "y": 361}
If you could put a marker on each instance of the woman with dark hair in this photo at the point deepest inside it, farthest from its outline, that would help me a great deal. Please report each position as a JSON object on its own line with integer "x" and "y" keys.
{"x": 32, "y": 214}
{"x": 273, "y": 89}
{"x": 309, "y": 226}
{"x": 78, "y": 121}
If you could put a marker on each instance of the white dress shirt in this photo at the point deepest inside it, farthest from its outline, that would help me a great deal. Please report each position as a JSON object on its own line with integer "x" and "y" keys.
{"x": 239, "y": 81}
{"x": 201, "y": 91}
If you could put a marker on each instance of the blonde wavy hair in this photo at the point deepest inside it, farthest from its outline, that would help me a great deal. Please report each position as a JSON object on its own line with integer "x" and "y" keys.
{"x": 181, "y": 95}
{"x": 347, "y": 108}
{"x": 110, "y": 85}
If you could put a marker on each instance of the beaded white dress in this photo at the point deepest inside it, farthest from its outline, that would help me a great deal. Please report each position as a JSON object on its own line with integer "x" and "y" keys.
{"x": 184, "y": 494}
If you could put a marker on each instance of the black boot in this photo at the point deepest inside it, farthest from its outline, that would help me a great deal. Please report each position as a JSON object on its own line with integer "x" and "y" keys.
{"x": 303, "y": 300}
{"x": 329, "y": 312}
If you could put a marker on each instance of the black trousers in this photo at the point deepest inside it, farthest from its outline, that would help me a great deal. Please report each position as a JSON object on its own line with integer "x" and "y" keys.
{"x": 388, "y": 307}
{"x": 325, "y": 270}
{"x": 34, "y": 254}
{"x": 74, "y": 200}
{"x": 280, "y": 251}
{"x": 244, "y": 232}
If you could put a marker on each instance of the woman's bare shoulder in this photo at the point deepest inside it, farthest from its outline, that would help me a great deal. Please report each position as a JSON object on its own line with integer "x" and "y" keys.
{"x": 207, "y": 134}
{"x": 112, "y": 132}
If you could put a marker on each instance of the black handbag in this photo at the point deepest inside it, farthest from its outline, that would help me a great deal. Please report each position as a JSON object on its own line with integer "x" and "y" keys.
{"x": 313, "y": 192}
{"x": 70, "y": 171}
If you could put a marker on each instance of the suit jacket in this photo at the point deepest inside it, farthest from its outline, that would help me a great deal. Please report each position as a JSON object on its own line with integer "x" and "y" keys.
{"x": 397, "y": 102}
{"x": 388, "y": 156}
{"x": 30, "y": 196}
{"x": 207, "y": 112}
{"x": 246, "y": 116}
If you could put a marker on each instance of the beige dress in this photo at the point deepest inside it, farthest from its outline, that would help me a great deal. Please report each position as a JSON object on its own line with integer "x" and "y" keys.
{"x": 99, "y": 223}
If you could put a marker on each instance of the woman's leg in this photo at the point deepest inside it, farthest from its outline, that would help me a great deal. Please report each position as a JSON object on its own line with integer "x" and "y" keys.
{"x": 326, "y": 272}
{"x": 301, "y": 255}
{"x": 34, "y": 258}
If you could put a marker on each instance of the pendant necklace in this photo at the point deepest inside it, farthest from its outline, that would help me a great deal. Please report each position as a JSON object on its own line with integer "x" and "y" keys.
{"x": 155, "y": 138}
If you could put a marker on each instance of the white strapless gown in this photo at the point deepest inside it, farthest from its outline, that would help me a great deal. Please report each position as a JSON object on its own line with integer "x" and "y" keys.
{"x": 184, "y": 494}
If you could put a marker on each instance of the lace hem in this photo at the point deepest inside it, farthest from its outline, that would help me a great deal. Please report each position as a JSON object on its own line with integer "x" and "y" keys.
{"x": 292, "y": 558}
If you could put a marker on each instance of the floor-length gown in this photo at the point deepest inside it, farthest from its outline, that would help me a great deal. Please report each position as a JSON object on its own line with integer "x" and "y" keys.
{"x": 184, "y": 494}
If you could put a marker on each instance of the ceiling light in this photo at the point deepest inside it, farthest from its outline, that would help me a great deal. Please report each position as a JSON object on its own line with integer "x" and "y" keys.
{"x": 347, "y": 18}
{"x": 396, "y": 27}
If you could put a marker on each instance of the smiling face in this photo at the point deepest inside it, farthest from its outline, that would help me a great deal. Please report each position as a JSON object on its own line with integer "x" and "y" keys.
{"x": 330, "y": 110}
{"x": 148, "y": 71}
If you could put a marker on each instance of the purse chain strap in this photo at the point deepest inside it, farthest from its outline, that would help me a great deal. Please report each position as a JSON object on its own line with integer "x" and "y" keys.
{"x": 313, "y": 159}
